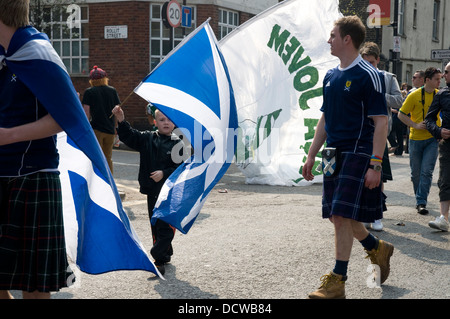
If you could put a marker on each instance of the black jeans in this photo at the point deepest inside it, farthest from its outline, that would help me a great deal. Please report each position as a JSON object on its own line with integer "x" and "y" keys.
{"x": 163, "y": 235}
{"x": 395, "y": 138}
{"x": 444, "y": 170}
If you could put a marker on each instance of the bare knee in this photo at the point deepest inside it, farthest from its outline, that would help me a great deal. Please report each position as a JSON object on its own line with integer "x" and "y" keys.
{"x": 5, "y": 294}
{"x": 339, "y": 221}
{"x": 35, "y": 295}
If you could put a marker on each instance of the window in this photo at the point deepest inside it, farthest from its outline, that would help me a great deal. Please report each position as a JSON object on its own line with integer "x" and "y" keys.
{"x": 401, "y": 17}
{"x": 163, "y": 39}
{"x": 228, "y": 20}
{"x": 436, "y": 13}
{"x": 70, "y": 40}
{"x": 415, "y": 16}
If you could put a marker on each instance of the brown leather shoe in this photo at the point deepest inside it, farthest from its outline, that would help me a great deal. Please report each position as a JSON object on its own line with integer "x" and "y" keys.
{"x": 381, "y": 257}
{"x": 333, "y": 287}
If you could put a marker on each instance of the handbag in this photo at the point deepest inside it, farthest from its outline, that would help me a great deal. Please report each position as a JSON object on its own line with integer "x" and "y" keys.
{"x": 329, "y": 161}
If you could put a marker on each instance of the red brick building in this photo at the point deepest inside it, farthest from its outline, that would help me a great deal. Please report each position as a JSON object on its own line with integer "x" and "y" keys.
{"x": 128, "y": 38}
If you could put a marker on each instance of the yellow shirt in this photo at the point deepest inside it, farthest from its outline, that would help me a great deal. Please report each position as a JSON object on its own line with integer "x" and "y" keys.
{"x": 413, "y": 105}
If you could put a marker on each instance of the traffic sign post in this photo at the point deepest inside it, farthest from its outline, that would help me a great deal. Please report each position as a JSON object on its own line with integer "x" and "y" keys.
{"x": 174, "y": 14}
{"x": 186, "y": 18}
{"x": 443, "y": 55}
{"x": 171, "y": 14}
{"x": 440, "y": 54}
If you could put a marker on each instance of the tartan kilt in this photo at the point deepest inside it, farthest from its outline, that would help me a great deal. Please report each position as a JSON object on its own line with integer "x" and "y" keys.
{"x": 32, "y": 245}
{"x": 345, "y": 194}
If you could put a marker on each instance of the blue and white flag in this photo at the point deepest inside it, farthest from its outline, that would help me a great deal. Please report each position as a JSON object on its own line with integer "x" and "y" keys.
{"x": 99, "y": 236}
{"x": 192, "y": 88}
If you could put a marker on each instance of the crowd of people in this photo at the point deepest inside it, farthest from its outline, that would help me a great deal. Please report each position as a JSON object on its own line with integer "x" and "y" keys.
{"x": 421, "y": 130}
{"x": 363, "y": 111}
{"x": 410, "y": 133}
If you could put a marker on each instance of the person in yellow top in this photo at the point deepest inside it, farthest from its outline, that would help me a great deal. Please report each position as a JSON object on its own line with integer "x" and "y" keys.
{"x": 423, "y": 147}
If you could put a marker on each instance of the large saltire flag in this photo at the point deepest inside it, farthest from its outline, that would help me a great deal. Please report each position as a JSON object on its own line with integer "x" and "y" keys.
{"x": 99, "y": 236}
{"x": 277, "y": 62}
{"x": 191, "y": 86}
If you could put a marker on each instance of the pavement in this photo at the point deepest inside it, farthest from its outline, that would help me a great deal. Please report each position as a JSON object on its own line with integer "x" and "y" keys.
{"x": 259, "y": 242}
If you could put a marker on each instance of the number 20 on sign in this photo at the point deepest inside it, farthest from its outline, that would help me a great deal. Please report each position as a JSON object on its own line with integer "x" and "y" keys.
{"x": 174, "y": 14}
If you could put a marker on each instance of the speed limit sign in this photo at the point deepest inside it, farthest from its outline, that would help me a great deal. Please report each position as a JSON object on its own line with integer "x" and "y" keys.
{"x": 172, "y": 13}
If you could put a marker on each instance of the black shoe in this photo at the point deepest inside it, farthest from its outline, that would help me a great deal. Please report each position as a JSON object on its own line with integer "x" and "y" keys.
{"x": 422, "y": 209}
{"x": 161, "y": 269}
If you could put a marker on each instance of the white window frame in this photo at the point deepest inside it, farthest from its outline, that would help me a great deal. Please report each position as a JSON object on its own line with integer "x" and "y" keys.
{"x": 160, "y": 35}
{"x": 436, "y": 14}
{"x": 70, "y": 44}
{"x": 401, "y": 17}
{"x": 228, "y": 21}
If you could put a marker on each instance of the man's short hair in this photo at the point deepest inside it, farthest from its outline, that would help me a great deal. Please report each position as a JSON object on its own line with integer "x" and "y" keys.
{"x": 430, "y": 72}
{"x": 352, "y": 26}
{"x": 15, "y": 13}
{"x": 421, "y": 73}
{"x": 371, "y": 49}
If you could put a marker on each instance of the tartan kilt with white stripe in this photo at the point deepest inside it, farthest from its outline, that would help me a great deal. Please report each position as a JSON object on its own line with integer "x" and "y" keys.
{"x": 345, "y": 194}
{"x": 32, "y": 246}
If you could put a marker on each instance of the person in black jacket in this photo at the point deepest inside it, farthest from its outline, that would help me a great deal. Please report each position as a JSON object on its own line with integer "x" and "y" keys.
{"x": 441, "y": 103}
{"x": 158, "y": 159}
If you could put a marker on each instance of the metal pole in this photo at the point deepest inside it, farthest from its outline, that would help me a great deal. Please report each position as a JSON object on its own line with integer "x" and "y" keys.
{"x": 395, "y": 55}
{"x": 184, "y": 29}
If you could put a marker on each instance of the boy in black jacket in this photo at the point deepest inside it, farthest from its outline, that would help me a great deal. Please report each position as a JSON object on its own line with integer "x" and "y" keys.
{"x": 157, "y": 162}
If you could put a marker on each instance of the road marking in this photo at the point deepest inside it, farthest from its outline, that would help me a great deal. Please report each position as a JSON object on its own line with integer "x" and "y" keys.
{"x": 134, "y": 189}
{"x": 134, "y": 203}
{"x": 126, "y": 164}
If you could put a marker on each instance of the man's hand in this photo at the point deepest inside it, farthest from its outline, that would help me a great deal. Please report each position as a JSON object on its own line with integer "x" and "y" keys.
{"x": 372, "y": 179}
{"x": 307, "y": 169}
{"x": 420, "y": 126}
{"x": 445, "y": 133}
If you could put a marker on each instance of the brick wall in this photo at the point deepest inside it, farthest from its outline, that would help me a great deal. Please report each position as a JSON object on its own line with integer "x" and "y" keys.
{"x": 126, "y": 61}
{"x": 359, "y": 8}
{"x": 209, "y": 11}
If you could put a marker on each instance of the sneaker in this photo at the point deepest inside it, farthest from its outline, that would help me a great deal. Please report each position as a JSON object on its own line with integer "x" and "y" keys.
{"x": 392, "y": 149}
{"x": 439, "y": 223}
{"x": 333, "y": 287}
{"x": 377, "y": 225}
{"x": 381, "y": 257}
{"x": 422, "y": 209}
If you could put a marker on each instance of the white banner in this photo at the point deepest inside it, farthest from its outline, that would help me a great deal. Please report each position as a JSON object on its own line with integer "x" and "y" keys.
{"x": 277, "y": 62}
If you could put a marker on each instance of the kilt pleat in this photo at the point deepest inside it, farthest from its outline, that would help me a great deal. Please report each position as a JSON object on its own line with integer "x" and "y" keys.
{"x": 32, "y": 245}
{"x": 345, "y": 194}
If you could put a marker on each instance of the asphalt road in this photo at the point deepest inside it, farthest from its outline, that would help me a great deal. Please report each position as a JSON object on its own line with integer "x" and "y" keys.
{"x": 268, "y": 242}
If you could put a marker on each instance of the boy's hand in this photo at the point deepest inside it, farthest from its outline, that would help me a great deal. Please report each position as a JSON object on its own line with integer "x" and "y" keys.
{"x": 157, "y": 176}
{"x": 118, "y": 112}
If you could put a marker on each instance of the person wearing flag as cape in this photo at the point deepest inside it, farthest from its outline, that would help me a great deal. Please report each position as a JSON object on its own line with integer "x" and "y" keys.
{"x": 354, "y": 123}
{"x": 32, "y": 245}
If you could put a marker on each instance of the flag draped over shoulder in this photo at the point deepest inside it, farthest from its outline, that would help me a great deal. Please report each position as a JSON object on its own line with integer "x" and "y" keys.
{"x": 99, "y": 236}
{"x": 277, "y": 62}
{"x": 191, "y": 86}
